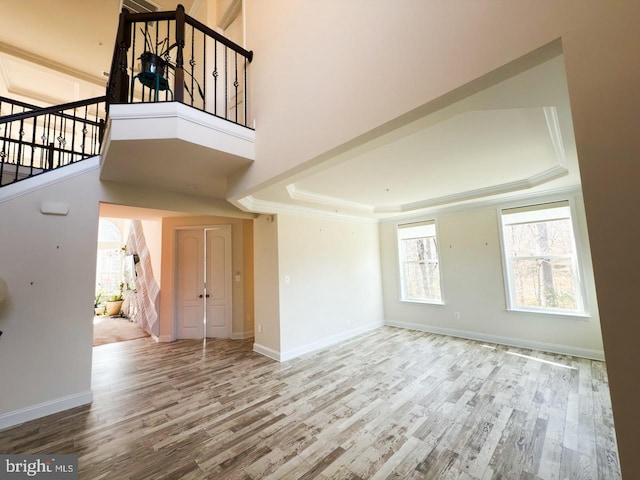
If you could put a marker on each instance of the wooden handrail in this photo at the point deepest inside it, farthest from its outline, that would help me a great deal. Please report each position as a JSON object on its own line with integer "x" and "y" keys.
{"x": 56, "y": 109}
{"x": 220, "y": 38}
{"x": 18, "y": 103}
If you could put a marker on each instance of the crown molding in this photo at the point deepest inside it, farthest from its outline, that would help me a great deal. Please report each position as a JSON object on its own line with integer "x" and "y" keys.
{"x": 252, "y": 204}
{"x": 307, "y": 196}
{"x": 50, "y": 64}
{"x": 533, "y": 181}
{"x": 517, "y": 197}
{"x": 555, "y": 132}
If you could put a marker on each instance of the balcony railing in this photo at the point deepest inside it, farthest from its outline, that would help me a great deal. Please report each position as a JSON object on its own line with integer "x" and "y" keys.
{"x": 170, "y": 56}
{"x": 34, "y": 140}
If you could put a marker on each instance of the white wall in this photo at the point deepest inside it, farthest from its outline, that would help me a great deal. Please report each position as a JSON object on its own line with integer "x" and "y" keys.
{"x": 267, "y": 288}
{"x": 383, "y": 59}
{"x": 473, "y": 286}
{"x": 49, "y": 264}
{"x": 330, "y": 285}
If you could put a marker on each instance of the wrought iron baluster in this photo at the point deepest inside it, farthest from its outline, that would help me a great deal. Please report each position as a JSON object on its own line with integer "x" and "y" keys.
{"x": 235, "y": 84}
{"x": 19, "y": 160}
{"x": 226, "y": 81}
{"x": 192, "y": 63}
{"x": 246, "y": 121}
{"x": 33, "y": 140}
{"x": 73, "y": 134}
{"x": 215, "y": 77}
{"x": 133, "y": 59}
{"x": 95, "y": 149}
{"x": 167, "y": 58}
{"x": 156, "y": 46}
{"x": 84, "y": 132}
{"x": 49, "y": 142}
{"x": 204, "y": 71}
{"x": 3, "y": 153}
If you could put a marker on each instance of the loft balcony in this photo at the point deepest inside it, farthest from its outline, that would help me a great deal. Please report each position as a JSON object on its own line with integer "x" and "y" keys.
{"x": 178, "y": 109}
{"x": 175, "y": 115}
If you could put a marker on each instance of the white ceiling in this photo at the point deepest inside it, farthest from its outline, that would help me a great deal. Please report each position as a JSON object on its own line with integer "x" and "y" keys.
{"x": 54, "y": 52}
{"x": 512, "y": 137}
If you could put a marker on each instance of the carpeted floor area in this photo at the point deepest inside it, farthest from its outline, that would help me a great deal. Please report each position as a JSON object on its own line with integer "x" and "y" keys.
{"x": 110, "y": 330}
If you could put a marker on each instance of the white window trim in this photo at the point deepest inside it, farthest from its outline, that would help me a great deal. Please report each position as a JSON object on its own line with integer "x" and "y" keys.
{"x": 400, "y": 270}
{"x": 581, "y": 299}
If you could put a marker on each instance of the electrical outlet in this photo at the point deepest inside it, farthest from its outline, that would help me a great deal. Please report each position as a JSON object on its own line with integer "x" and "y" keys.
{"x": 259, "y": 328}
{"x": 456, "y": 315}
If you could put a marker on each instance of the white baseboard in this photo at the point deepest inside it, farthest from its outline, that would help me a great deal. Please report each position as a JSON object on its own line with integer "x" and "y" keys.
{"x": 510, "y": 341}
{"x": 329, "y": 341}
{"x": 266, "y": 351}
{"x": 43, "y": 409}
{"x": 241, "y": 335}
{"x": 164, "y": 339}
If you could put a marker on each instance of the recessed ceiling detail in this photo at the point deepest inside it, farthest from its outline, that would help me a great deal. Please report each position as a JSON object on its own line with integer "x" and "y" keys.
{"x": 513, "y": 138}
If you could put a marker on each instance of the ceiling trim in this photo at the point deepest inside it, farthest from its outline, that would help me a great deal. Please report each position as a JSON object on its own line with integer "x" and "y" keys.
{"x": 51, "y": 64}
{"x": 551, "y": 116}
{"x": 533, "y": 181}
{"x": 252, "y": 204}
{"x": 545, "y": 176}
{"x": 557, "y": 193}
{"x": 307, "y": 196}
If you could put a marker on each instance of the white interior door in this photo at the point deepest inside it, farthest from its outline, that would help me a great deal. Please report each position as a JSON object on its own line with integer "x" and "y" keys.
{"x": 218, "y": 281}
{"x": 203, "y": 293}
{"x": 190, "y": 287}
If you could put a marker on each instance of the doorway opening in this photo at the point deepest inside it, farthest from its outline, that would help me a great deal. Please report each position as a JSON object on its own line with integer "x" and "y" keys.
{"x": 116, "y": 289}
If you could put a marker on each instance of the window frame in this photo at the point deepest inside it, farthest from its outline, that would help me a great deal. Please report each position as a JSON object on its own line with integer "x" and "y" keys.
{"x": 400, "y": 263}
{"x": 582, "y": 310}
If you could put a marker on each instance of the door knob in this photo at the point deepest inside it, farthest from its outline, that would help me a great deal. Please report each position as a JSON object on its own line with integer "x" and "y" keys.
{"x": 200, "y": 296}
{"x": 207, "y": 295}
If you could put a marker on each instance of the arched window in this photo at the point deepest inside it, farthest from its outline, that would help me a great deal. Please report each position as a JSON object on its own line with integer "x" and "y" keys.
{"x": 108, "y": 232}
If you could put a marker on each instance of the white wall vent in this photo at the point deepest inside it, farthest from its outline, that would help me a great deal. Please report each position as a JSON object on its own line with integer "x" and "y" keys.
{"x": 139, "y": 6}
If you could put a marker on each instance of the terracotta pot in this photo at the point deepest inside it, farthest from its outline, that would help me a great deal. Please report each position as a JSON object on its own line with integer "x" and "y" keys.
{"x": 113, "y": 308}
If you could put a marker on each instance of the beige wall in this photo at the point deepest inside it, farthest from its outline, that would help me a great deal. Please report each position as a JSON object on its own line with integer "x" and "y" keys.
{"x": 360, "y": 64}
{"x": 329, "y": 281}
{"x": 153, "y": 238}
{"x": 248, "y": 278}
{"x": 603, "y": 72}
{"x": 49, "y": 264}
{"x": 167, "y": 283}
{"x": 267, "y": 285}
{"x": 473, "y": 286}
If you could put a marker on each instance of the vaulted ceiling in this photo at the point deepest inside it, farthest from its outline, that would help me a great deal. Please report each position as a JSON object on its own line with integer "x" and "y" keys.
{"x": 512, "y": 137}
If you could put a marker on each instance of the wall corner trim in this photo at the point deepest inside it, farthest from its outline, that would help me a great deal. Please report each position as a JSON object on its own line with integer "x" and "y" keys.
{"x": 33, "y": 412}
{"x": 267, "y": 352}
{"x": 508, "y": 341}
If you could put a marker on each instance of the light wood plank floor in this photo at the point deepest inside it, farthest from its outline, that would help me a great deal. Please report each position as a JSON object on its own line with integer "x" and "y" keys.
{"x": 390, "y": 404}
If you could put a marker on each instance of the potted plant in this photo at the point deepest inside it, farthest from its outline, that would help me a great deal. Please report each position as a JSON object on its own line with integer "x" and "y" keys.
{"x": 98, "y": 306}
{"x": 114, "y": 302}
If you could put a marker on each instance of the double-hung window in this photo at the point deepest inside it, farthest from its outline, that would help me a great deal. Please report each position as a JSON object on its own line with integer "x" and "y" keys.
{"x": 541, "y": 262}
{"x": 419, "y": 264}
